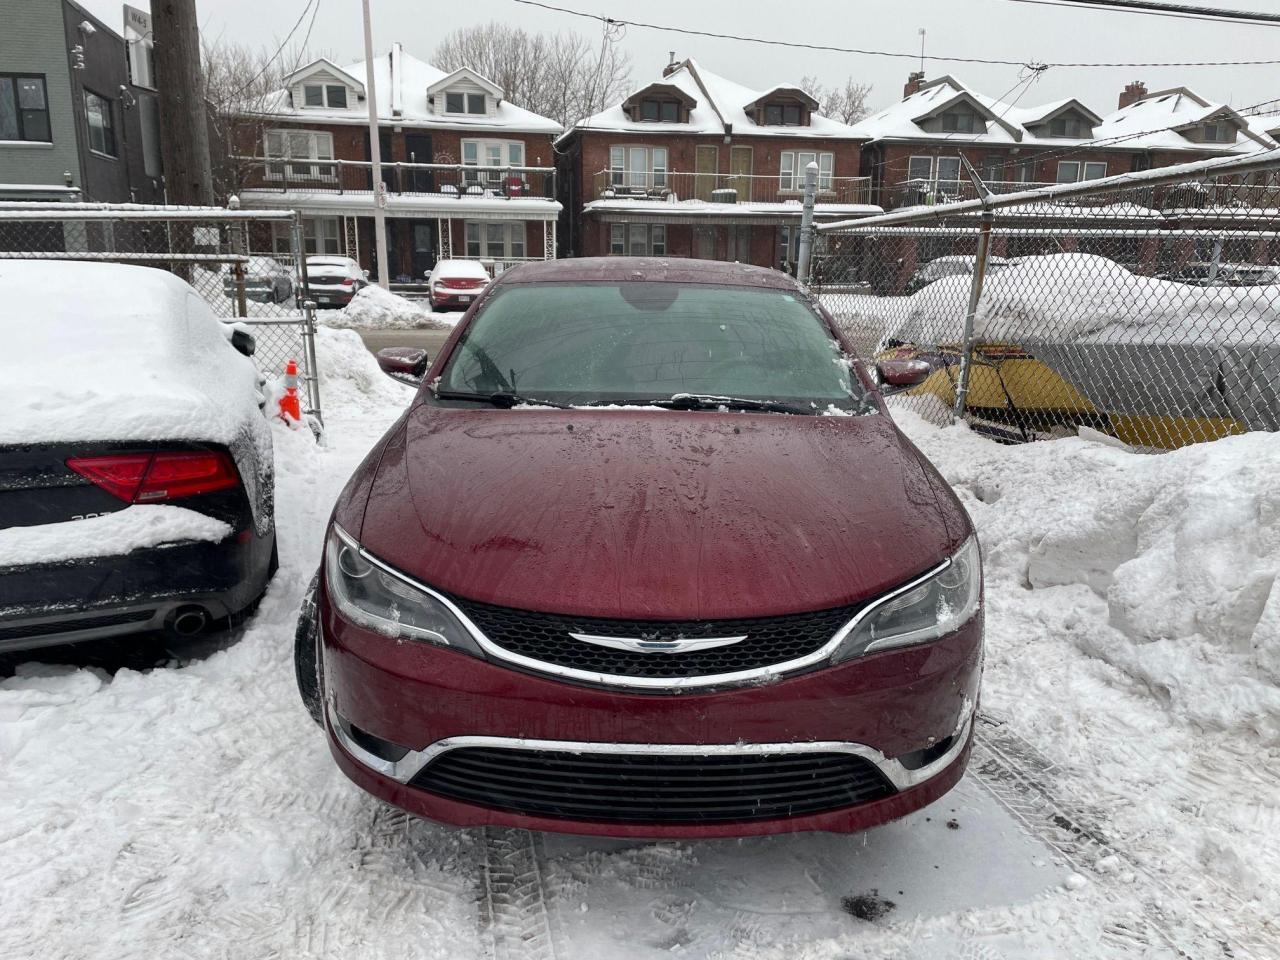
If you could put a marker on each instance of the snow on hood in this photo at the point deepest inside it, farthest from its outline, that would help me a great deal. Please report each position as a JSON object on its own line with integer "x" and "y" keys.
{"x": 99, "y": 351}
{"x": 1074, "y": 297}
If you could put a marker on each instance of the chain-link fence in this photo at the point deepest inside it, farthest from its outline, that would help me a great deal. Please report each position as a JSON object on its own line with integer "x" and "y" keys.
{"x": 1145, "y": 306}
{"x": 217, "y": 251}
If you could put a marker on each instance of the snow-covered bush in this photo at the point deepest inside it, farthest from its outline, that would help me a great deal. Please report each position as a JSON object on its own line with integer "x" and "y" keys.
{"x": 375, "y": 308}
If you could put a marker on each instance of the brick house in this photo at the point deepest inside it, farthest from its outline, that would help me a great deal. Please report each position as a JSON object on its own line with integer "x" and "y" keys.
{"x": 695, "y": 165}
{"x": 914, "y": 149}
{"x": 466, "y": 173}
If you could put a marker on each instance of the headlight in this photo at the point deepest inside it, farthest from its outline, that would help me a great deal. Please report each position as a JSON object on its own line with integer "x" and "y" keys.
{"x": 373, "y": 597}
{"x": 930, "y": 609}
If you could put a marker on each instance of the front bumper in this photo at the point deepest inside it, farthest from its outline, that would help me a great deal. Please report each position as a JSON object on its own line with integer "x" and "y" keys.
{"x": 434, "y": 701}
{"x": 48, "y": 604}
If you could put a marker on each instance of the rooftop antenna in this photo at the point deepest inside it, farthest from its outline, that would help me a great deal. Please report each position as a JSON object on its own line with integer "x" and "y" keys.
{"x": 921, "y": 32}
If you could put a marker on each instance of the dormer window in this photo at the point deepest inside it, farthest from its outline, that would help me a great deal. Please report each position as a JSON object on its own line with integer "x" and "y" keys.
{"x": 959, "y": 121}
{"x": 783, "y": 115}
{"x": 332, "y": 95}
{"x": 458, "y": 101}
{"x": 1071, "y": 127}
{"x": 1219, "y": 131}
{"x": 664, "y": 111}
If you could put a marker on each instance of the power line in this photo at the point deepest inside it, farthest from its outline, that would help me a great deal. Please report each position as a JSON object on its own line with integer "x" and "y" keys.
{"x": 283, "y": 43}
{"x": 882, "y": 53}
{"x": 1159, "y": 9}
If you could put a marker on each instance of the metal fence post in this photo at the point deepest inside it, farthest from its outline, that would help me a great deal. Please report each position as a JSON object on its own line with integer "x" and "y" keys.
{"x": 806, "y": 222}
{"x": 975, "y": 295}
{"x": 240, "y": 247}
{"x": 309, "y": 354}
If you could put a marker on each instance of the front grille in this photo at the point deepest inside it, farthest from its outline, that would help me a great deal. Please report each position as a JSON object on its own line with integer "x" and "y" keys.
{"x": 545, "y": 637}
{"x": 653, "y": 788}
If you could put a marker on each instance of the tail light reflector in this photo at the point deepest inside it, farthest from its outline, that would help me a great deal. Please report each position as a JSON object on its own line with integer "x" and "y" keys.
{"x": 154, "y": 477}
{"x": 348, "y": 282}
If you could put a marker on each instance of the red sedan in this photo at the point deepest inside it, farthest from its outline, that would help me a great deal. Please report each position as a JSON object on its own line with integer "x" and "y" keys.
{"x": 647, "y": 557}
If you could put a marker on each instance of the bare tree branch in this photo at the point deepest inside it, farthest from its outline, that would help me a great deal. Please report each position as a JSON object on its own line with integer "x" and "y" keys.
{"x": 847, "y": 104}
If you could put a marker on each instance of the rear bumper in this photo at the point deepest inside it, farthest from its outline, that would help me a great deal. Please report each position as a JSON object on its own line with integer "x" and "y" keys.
{"x": 331, "y": 296}
{"x": 449, "y": 299}
{"x": 432, "y": 700}
{"x": 47, "y": 604}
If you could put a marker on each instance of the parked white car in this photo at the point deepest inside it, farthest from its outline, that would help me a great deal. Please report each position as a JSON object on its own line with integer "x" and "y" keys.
{"x": 333, "y": 281}
{"x": 456, "y": 283}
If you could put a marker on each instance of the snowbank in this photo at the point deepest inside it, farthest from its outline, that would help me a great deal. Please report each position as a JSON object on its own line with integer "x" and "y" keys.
{"x": 133, "y": 528}
{"x": 1178, "y": 555}
{"x": 350, "y": 378}
{"x": 100, "y": 351}
{"x": 375, "y": 308}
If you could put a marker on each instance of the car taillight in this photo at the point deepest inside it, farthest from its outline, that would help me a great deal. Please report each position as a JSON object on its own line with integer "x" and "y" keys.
{"x": 153, "y": 477}
{"x": 347, "y": 282}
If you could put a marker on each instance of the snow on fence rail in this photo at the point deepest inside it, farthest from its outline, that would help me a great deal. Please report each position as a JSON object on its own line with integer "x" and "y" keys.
{"x": 1144, "y": 306}
{"x": 246, "y": 264}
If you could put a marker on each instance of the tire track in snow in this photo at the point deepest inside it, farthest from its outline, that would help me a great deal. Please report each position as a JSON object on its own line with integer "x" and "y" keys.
{"x": 514, "y": 896}
{"x": 1032, "y": 789}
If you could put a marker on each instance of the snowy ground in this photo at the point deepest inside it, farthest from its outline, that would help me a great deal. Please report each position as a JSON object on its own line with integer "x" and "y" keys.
{"x": 1122, "y": 801}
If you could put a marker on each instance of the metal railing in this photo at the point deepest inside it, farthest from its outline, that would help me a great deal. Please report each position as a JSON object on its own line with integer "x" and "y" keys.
{"x": 921, "y": 193}
{"x": 670, "y": 186}
{"x": 207, "y": 247}
{"x": 455, "y": 181}
{"x": 1158, "y": 333}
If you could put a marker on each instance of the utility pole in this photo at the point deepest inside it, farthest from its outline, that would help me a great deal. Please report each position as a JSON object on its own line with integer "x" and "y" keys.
{"x": 184, "y": 129}
{"x": 806, "y": 221}
{"x": 375, "y": 154}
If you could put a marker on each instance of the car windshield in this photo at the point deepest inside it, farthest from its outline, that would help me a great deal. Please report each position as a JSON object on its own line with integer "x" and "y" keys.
{"x": 635, "y": 341}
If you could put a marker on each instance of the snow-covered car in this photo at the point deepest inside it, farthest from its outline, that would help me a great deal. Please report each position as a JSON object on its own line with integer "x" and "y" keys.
{"x": 333, "y": 281}
{"x": 951, "y": 266}
{"x": 1226, "y": 275}
{"x": 456, "y": 283}
{"x": 135, "y": 464}
{"x": 266, "y": 280}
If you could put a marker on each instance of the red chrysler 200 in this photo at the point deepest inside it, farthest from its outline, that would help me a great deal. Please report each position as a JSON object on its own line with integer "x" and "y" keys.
{"x": 647, "y": 557}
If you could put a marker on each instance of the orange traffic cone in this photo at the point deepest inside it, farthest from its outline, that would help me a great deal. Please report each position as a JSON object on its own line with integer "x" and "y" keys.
{"x": 290, "y": 409}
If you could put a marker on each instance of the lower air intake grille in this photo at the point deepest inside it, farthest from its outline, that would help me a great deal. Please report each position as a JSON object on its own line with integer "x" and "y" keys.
{"x": 653, "y": 788}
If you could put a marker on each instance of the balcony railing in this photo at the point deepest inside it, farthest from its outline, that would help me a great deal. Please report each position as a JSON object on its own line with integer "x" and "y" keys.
{"x": 669, "y": 186}
{"x": 921, "y": 193}
{"x": 456, "y": 181}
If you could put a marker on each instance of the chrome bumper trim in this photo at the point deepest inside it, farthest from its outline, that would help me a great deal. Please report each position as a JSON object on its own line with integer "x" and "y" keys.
{"x": 408, "y": 767}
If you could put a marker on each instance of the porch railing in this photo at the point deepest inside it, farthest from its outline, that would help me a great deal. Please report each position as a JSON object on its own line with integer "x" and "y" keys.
{"x": 672, "y": 186}
{"x": 456, "y": 181}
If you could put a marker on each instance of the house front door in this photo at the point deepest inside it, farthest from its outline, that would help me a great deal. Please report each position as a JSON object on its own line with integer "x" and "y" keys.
{"x": 422, "y": 235}
{"x": 740, "y": 172}
{"x": 707, "y": 164}
{"x": 418, "y": 150}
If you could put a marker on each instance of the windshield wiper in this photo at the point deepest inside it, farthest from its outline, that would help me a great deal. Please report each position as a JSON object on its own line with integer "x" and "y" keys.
{"x": 711, "y": 401}
{"x": 503, "y": 400}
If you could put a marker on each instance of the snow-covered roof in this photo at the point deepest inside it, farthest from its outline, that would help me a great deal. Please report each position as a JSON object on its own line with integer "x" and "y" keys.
{"x": 322, "y": 65}
{"x": 402, "y": 83}
{"x": 720, "y": 108}
{"x": 1151, "y": 123}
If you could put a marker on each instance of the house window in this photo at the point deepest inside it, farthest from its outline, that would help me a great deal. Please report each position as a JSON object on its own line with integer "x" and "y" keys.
{"x": 1067, "y": 127}
{"x": 791, "y": 164}
{"x": 1072, "y": 171}
{"x": 24, "y": 109}
{"x": 638, "y": 168}
{"x": 320, "y": 235}
{"x": 102, "y": 126}
{"x": 1024, "y": 171}
{"x": 948, "y": 171}
{"x": 959, "y": 121}
{"x": 638, "y": 239}
{"x": 1218, "y": 132}
{"x": 295, "y": 145}
{"x": 783, "y": 115}
{"x": 325, "y": 95}
{"x": 666, "y": 111}
{"x": 920, "y": 168}
{"x": 459, "y": 101}
{"x": 496, "y": 240}
{"x": 493, "y": 153}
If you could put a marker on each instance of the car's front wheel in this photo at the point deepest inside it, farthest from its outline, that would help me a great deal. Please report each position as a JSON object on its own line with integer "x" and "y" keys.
{"x": 306, "y": 660}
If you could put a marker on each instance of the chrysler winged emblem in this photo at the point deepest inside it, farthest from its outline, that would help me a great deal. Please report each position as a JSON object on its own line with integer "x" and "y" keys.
{"x": 654, "y": 645}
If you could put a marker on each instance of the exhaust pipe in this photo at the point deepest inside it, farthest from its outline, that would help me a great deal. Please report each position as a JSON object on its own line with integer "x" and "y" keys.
{"x": 188, "y": 621}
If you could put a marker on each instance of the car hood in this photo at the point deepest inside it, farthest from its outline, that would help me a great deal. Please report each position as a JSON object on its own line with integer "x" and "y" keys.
{"x": 655, "y": 514}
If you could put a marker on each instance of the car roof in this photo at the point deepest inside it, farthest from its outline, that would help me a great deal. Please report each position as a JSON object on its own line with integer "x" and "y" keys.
{"x": 331, "y": 261}
{"x": 653, "y": 269}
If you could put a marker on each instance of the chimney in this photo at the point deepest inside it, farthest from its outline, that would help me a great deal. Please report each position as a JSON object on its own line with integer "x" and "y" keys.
{"x": 1132, "y": 93}
{"x": 671, "y": 66}
{"x": 915, "y": 80}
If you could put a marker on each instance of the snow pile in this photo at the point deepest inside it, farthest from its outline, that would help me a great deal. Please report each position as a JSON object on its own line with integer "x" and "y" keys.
{"x": 133, "y": 528}
{"x": 350, "y": 377}
{"x": 100, "y": 351}
{"x": 378, "y": 309}
{"x": 1077, "y": 297}
{"x": 1178, "y": 554}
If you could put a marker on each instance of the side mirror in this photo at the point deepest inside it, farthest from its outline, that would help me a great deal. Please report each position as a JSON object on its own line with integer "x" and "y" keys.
{"x": 899, "y": 375}
{"x": 243, "y": 341}
{"x": 407, "y": 364}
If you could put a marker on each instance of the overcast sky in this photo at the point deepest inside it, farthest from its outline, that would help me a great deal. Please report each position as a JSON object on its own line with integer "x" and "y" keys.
{"x": 999, "y": 29}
